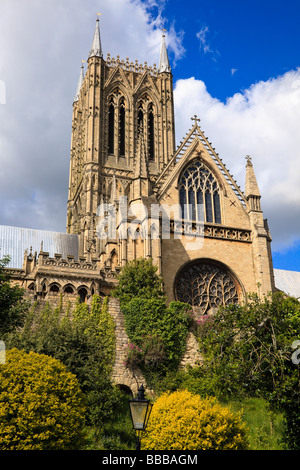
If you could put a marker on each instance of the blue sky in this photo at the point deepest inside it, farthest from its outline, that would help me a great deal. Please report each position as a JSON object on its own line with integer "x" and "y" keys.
{"x": 231, "y": 45}
{"x": 235, "y": 63}
{"x": 242, "y": 41}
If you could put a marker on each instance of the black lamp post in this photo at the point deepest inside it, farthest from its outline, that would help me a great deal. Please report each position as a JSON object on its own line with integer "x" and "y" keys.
{"x": 140, "y": 410}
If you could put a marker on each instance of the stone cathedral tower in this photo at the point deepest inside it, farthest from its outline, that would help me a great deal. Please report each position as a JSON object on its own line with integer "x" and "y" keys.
{"x": 122, "y": 136}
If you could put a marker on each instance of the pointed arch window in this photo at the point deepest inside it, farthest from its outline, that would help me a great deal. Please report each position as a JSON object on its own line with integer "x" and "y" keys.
{"x": 116, "y": 124}
{"x": 150, "y": 133}
{"x": 140, "y": 117}
{"x": 146, "y": 124}
{"x": 199, "y": 194}
{"x": 111, "y": 127}
{"x": 122, "y": 128}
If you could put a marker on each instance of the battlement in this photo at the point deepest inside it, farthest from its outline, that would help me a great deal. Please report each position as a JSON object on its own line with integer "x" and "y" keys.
{"x": 131, "y": 66}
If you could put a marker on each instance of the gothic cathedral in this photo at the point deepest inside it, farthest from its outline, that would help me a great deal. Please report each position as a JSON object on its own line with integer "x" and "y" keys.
{"x": 133, "y": 194}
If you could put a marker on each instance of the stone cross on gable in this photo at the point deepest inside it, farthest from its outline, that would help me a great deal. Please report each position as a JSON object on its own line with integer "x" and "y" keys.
{"x": 196, "y": 119}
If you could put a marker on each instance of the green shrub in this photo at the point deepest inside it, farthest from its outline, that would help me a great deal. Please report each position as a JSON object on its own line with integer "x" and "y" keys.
{"x": 84, "y": 342}
{"x": 184, "y": 421}
{"x": 248, "y": 351}
{"x": 158, "y": 332}
{"x": 41, "y": 404}
{"x": 13, "y": 306}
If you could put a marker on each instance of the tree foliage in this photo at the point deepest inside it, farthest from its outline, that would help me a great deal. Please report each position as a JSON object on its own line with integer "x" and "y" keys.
{"x": 248, "y": 349}
{"x": 139, "y": 278}
{"x": 13, "y": 306}
{"x": 84, "y": 341}
{"x": 41, "y": 404}
{"x": 185, "y": 421}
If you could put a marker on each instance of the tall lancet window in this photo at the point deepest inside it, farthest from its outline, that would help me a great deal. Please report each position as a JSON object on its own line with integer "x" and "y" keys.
{"x": 151, "y": 155}
{"x": 199, "y": 194}
{"x": 111, "y": 126}
{"x": 140, "y": 117}
{"x": 122, "y": 128}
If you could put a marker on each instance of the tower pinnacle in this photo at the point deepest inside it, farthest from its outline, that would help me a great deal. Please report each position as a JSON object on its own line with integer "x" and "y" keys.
{"x": 96, "y": 50}
{"x": 251, "y": 187}
{"x": 164, "y": 65}
{"x": 79, "y": 84}
{"x": 141, "y": 167}
{"x": 252, "y": 192}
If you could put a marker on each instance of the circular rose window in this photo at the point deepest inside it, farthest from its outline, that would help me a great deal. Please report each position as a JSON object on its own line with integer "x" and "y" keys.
{"x": 206, "y": 285}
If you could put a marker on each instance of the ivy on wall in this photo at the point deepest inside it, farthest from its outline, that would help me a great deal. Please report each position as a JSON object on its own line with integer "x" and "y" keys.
{"x": 157, "y": 331}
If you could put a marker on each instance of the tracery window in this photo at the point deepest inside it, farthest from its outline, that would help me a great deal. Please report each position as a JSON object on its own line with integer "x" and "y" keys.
{"x": 122, "y": 128}
{"x": 150, "y": 133}
{"x": 145, "y": 124}
{"x": 116, "y": 124}
{"x": 199, "y": 194}
{"x": 206, "y": 285}
{"x": 111, "y": 127}
{"x": 140, "y": 117}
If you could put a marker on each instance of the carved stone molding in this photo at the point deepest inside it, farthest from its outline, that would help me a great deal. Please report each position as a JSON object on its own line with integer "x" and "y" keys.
{"x": 208, "y": 231}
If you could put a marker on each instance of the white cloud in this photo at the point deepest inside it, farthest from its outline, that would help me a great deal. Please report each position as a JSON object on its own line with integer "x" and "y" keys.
{"x": 205, "y": 43}
{"x": 202, "y": 36}
{"x": 262, "y": 121}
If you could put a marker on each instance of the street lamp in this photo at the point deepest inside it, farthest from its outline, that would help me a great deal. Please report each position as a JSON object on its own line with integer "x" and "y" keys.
{"x": 140, "y": 410}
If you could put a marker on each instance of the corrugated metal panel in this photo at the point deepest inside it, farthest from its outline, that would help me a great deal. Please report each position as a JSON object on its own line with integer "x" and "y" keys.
{"x": 288, "y": 282}
{"x": 15, "y": 240}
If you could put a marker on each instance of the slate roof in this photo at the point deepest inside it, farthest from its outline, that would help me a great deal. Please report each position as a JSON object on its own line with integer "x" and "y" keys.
{"x": 15, "y": 240}
{"x": 288, "y": 282}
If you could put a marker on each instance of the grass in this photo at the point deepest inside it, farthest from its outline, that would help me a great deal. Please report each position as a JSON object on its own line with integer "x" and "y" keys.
{"x": 115, "y": 434}
{"x": 265, "y": 427}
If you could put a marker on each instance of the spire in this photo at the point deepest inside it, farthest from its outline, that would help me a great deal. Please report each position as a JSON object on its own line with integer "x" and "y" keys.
{"x": 80, "y": 81}
{"x": 164, "y": 65}
{"x": 96, "y": 50}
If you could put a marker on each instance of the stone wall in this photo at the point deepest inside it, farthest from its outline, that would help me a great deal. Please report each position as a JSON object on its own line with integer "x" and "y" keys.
{"x": 191, "y": 356}
{"x": 124, "y": 376}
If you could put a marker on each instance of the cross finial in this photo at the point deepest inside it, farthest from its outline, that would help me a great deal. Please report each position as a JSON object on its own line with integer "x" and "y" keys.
{"x": 249, "y": 159}
{"x": 196, "y": 119}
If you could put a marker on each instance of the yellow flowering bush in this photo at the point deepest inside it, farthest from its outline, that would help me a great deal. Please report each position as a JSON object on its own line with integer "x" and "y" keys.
{"x": 185, "y": 421}
{"x": 41, "y": 404}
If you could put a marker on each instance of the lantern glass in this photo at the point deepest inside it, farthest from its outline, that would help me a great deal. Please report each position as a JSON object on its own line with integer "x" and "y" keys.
{"x": 138, "y": 414}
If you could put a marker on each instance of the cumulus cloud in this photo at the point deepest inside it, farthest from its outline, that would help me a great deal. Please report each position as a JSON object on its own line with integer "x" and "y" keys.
{"x": 262, "y": 121}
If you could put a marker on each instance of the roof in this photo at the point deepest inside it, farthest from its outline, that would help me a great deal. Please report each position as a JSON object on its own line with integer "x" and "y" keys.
{"x": 15, "y": 240}
{"x": 288, "y": 282}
